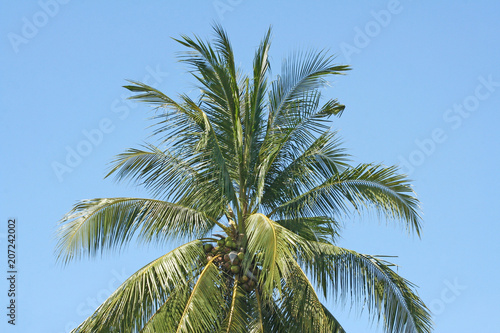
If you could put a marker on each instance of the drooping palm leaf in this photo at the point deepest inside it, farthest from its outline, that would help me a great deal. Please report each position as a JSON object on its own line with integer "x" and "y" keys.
{"x": 99, "y": 224}
{"x": 274, "y": 248}
{"x": 139, "y": 297}
{"x": 370, "y": 282}
{"x": 363, "y": 186}
{"x": 306, "y": 313}
{"x": 238, "y": 313}
{"x": 204, "y": 307}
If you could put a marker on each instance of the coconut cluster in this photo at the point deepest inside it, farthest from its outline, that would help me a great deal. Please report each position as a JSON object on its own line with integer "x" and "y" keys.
{"x": 228, "y": 258}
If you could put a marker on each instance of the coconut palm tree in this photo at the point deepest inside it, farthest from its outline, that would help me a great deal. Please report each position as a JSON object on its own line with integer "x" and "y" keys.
{"x": 253, "y": 177}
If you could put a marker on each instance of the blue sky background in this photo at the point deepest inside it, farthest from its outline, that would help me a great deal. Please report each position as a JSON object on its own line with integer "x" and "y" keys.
{"x": 424, "y": 93}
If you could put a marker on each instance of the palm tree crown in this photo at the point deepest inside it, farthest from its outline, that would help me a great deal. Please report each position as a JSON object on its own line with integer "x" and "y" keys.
{"x": 252, "y": 175}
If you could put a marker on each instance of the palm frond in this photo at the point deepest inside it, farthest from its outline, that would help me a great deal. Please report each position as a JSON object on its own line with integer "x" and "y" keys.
{"x": 214, "y": 68}
{"x": 157, "y": 170}
{"x": 304, "y": 311}
{"x": 257, "y": 325}
{"x": 237, "y": 319}
{"x": 370, "y": 282}
{"x": 366, "y": 185}
{"x": 179, "y": 178}
{"x": 98, "y": 224}
{"x": 198, "y": 137}
{"x": 253, "y": 114}
{"x": 319, "y": 228}
{"x": 301, "y": 73}
{"x": 194, "y": 309}
{"x": 332, "y": 322}
{"x": 139, "y": 297}
{"x": 203, "y": 309}
{"x": 295, "y": 131}
{"x": 166, "y": 318}
{"x": 275, "y": 318}
{"x": 305, "y": 169}
{"x": 273, "y": 248}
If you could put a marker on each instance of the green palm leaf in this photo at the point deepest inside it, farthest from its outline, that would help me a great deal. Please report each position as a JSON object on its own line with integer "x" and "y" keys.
{"x": 197, "y": 138}
{"x": 138, "y": 298}
{"x": 237, "y": 319}
{"x": 195, "y": 308}
{"x": 98, "y": 224}
{"x": 303, "y": 72}
{"x": 304, "y": 308}
{"x": 307, "y": 168}
{"x": 274, "y": 249}
{"x": 157, "y": 170}
{"x": 363, "y": 186}
{"x": 318, "y": 228}
{"x": 371, "y": 283}
{"x": 204, "y": 306}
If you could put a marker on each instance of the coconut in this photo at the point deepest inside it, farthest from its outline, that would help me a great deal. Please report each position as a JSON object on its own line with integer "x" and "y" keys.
{"x": 226, "y": 257}
{"x": 241, "y": 255}
{"x": 208, "y": 247}
{"x": 227, "y": 265}
{"x": 229, "y": 239}
{"x": 235, "y": 269}
{"x": 221, "y": 242}
{"x": 209, "y": 258}
{"x": 244, "y": 278}
{"x": 236, "y": 261}
{"x": 233, "y": 255}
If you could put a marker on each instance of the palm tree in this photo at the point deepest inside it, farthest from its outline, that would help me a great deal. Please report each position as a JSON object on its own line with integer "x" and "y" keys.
{"x": 253, "y": 177}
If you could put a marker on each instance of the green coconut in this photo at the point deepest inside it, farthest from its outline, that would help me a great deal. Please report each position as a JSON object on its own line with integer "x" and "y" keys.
{"x": 221, "y": 242}
{"x": 236, "y": 261}
{"x": 244, "y": 278}
{"x": 208, "y": 247}
{"x": 229, "y": 239}
{"x": 235, "y": 269}
{"x": 241, "y": 255}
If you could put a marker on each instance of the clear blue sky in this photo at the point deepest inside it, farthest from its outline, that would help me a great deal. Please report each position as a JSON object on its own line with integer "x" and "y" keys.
{"x": 424, "y": 92}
